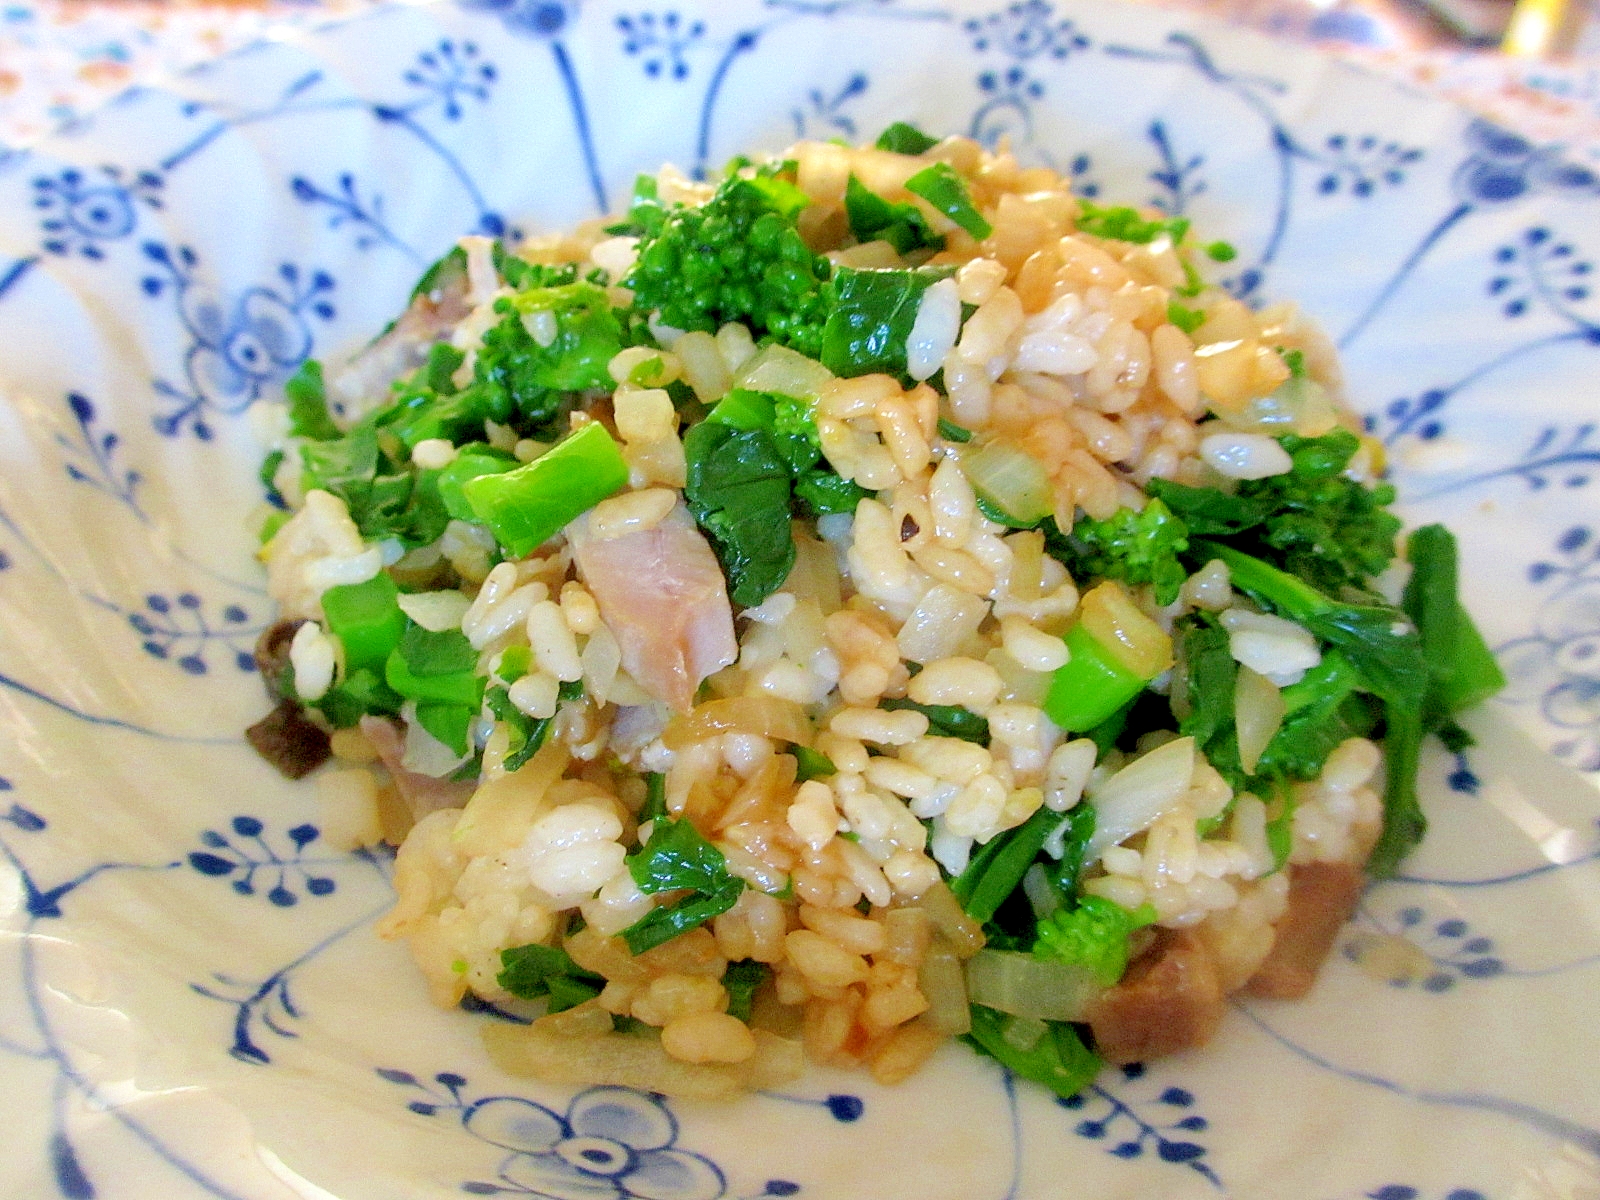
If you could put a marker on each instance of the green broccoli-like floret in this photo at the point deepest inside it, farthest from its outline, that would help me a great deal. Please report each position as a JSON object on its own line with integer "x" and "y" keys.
{"x": 1134, "y": 545}
{"x": 1330, "y": 530}
{"x": 517, "y": 374}
{"x": 737, "y": 257}
{"x": 1094, "y": 934}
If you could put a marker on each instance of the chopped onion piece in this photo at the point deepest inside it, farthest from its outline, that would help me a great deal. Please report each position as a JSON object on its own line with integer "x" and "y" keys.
{"x": 1133, "y": 798}
{"x": 784, "y": 371}
{"x": 766, "y": 716}
{"x": 1017, "y": 983}
{"x": 1257, "y": 713}
{"x": 1010, "y": 480}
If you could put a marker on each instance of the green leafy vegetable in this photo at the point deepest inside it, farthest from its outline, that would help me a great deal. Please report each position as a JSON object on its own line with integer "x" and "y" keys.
{"x": 741, "y": 980}
{"x": 951, "y": 432}
{"x": 997, "y": 868}
{"x": 871, "y": 318}
{"x": 1313, "y": 521}
{"x": 308, "y": 403}
{"x": 1054, "y": 1055}
{"x": 738, "y": 488}
{"x": 677, "y": 858}
{"x": 527, "y": 734}
{"x": 1186, "y": 319}
{"x": 516, "y": 374}
{"x": 450, "y": 723}
{"x": 535, "y": 970}
{"x": 945, "y": 720}
{"x": 1127, "y": 224}
{"x": 942, "y": 187}
{"x": 823, "y": 492}
{"x": 903, "y": 138}
{"x": 872, "y": 218}
{"x": 1093, "y": 934}
{"x": 439, "y": 667}
{"x": 1462, "y": 670}
{"x": 812, "y": 764}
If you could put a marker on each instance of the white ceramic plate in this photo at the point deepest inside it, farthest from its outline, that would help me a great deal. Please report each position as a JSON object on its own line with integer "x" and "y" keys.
{"x": 192, "y": 1000}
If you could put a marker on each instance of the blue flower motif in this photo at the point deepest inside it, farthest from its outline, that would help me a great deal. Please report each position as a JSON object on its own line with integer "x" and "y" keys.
{"x": 242, "y": 348}
{"x": 80, "y": 212}
{"x": 1024, "y": 30}
{"x": 536, "y": 18}
{"x": 660, "y": 43}
{"x": 1504, "y": 167}
{"x": 239, "y": 348}
{"x": 1557, "y": 666}
{"x": 612, "y": 1143}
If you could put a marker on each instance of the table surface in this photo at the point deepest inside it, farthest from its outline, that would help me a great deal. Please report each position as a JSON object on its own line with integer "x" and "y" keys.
{"x": 61, "y": 58}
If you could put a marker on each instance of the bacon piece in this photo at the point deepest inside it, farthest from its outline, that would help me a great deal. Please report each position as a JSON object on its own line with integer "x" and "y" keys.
{"x": 1169, "y": 1000}
{"x": 1321, "y": 898}
{"x": 422, "y": 794}
{"x": 662, "y": 594}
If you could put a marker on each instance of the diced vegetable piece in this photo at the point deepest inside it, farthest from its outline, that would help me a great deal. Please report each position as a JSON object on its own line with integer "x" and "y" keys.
{"x": 1091, "y": 686}
{"x": 366, "y": 618}
{"x": 1011, "y": 981}
{"x": 470, "y": 462}
{"x": 525, "y": 507}
{"x": 1115, "y": 651}
{"x": 1013, "y": 483}
{"x": 787, "y": 372}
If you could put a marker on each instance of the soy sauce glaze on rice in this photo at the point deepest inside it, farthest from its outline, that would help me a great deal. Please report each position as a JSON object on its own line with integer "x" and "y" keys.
{"x": 873, "y": 598}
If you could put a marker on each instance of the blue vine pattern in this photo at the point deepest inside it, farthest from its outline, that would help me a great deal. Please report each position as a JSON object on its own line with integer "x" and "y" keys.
{"x": 1539, "y": 272}
{"x": 1436, "y": 955}
{"x": 248, "y": 855}
{"x": 661, "y": 42}
{"x": 92, "y": 454}
{"x": 1130, "y": 1126}
{"x": 176, "y": 629}
{"x": 346, "y": 208}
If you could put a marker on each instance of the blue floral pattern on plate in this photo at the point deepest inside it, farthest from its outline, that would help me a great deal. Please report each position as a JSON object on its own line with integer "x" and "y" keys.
{"x": 166, "y": 264}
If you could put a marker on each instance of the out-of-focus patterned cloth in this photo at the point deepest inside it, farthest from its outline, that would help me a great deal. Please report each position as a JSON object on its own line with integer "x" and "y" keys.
{"x": 61, "y": 58}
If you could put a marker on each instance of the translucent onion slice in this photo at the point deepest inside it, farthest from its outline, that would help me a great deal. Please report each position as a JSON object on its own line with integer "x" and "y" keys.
{"x": 766, "y": 716}
{"x": 1257, "y": 713}
{"x": 1133, "y": 798}
{"x": 1011, "y": 481}
{"x": 1018, "y": 983}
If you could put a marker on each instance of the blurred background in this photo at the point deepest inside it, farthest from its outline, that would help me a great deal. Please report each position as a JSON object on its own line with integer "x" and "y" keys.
{"x": 1533, "y": 65}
